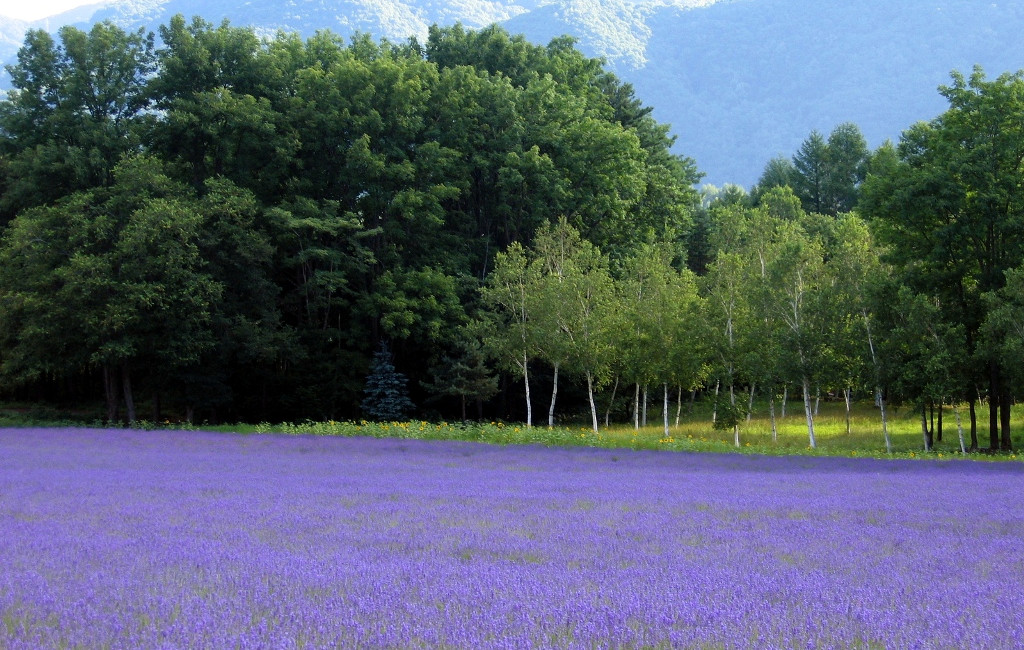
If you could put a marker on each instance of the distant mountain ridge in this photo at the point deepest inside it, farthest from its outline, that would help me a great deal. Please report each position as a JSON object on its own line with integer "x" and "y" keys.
{"x": 740, "y": 81}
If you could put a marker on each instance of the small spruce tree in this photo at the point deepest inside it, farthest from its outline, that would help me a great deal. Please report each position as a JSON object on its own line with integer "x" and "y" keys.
{"x": 387, "y": 394}
{"x": 464, "y": 374}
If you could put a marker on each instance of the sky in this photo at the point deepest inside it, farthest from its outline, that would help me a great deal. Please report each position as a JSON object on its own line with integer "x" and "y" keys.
{"x": 35, "y": 9}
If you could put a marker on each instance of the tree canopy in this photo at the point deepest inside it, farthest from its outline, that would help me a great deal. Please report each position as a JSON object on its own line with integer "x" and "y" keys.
{"x": 226, "y": 225}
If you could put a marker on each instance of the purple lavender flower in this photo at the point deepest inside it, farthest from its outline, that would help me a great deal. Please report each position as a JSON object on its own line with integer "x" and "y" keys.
{"x": 129, "y": 539}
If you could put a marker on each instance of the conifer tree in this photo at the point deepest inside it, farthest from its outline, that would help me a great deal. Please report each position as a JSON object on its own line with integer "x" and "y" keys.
{"x": 387, "y": 394}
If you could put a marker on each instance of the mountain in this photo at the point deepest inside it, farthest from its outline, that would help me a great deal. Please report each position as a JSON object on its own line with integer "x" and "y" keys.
{"x": 740, "y": 81}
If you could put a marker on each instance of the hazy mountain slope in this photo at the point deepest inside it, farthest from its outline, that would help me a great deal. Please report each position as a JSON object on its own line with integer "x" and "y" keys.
{"x": 739, "y": 80}
{"x": 742, "y": 81}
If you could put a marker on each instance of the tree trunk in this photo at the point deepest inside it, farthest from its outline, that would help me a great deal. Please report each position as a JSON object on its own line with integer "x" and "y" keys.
{"x": 732, "y": 405}
{"x": 809, "y": 413}
{"x": 924, "y": 428}
{"x": 885, "y": 421}
{"x": 1005, "y": 401}
{"x": 129, "y": 397}
{"x": 846, "y": 397}
{"x": 771, "y": 413}
{"x": 785, "y": 398}
{"x": 529, "y": 404}
{"x": 611, "y": 403}
{"x": 110, "y": 392}
{"x": 938, "y": 426}
{"x": 993, "y": 407}
{"x": 679, "y": 406}
{"x": 750, "y": 403}
{"x": 714, "y": 407}
{"x": 590, "y": 395}
{"x": 931, "y": 419}
{"x": 665, "y": 409}
{"x": 974, "y": 423}
{"x": 879, "y": 395}
{"x": 554, "y": 395}
{"x": 190, "y": 413}
{"x": 959, "y": 427}
{"x": 645, "y": 405}
{"x": 817, "y": 400}
{"x": 636, "y": 408}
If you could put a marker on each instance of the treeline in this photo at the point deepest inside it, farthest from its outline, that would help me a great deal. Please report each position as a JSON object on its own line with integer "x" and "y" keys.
{"x": 229, "y": 227}
{"x": 226, "y": 225}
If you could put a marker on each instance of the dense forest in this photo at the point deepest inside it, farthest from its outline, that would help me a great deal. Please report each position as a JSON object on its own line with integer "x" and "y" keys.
{"x": 214, "y": 225}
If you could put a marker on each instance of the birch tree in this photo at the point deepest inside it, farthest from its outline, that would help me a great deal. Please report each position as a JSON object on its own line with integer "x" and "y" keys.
{"x": 795, "y": 274}
{"x": 508, "y": 294}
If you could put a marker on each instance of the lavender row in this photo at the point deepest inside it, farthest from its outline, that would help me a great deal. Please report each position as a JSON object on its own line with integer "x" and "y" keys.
{"x": 128, "y": 539}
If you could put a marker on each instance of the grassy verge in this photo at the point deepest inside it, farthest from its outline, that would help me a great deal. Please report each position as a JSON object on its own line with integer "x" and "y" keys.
{"x": 694, "y": 432}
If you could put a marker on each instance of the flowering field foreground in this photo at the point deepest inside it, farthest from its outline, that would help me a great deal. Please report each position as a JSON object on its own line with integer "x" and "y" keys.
{"x": 135, "y": 539}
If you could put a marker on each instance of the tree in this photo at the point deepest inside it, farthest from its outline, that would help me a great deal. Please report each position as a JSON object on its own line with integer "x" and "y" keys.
{"x": 795, "y": 275}
{"x": 386, "y": 391}
{"x": 77, "y": 107}
{"x": 572, "y": 299}
{"x": 856, "y": 271}
{"x": 846, "y": 157}
{"x": 658, "y": 337}
{"x": 726, "y": 315}
{"x": 558, "y": 252}
{"x": 811, "y": 177}
{"x": 779, "y": 172}
{"x": 464, "y": 374}
{"x": 510, "y": 335}
{"x": 825, "y": 174}
{"x": 949, "y": 210}
{"x": 109, "y": 279}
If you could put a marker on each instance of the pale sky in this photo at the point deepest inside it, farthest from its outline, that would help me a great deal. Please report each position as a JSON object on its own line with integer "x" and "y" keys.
{"x": 36, "y": 9}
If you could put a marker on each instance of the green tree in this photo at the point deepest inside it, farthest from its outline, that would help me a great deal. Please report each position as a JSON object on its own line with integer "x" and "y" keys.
{"x": 510, "y": 333}
{"x": 659, "y": 330}
{"x": 386, "y": 392}
{"x": 779, "y": 172}
{"x": 463, "y": 373}
{"x": 949, "y": 210}
{"x": 76, "y": 108}
{"x": 108, "y": 279}
{"x": 795, "y": 275}
{"x": 825, "y": 174}
{"x": 810, "y": 179}
{"x": 846, "y": 157}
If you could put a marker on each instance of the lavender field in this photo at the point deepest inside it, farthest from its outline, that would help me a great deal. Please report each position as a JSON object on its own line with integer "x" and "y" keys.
{"x": 133, "y": 539}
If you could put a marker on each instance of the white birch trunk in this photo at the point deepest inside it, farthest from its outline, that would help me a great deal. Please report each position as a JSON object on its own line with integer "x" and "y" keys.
{"x": 750, "y": 402}
{"x": 679, "y": 406}
{"x": 735, "y": 427}
{"x": 645, "y": 405}
{"x": 924, "y": 429}
{"x": 665, "y": 410}
{"x": 879, "y": 398}
{"x": 885, "y": 421}
{"x": 554, "y": 395}
{"x": 817, "y": 399}
{"x": 809, "y": 412}
{"x": 846, "y": 396}
{"x": 611, "y": 402}
{"x": 529, "y": 404}
{"x": 959, "y": 427}
{"x": 714, "y": 407}
{"x": 785, "y": 398}
{"x": 590, "y": 395}
{"x": 636, "y": 408}
{"x": 771, "y": 412}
